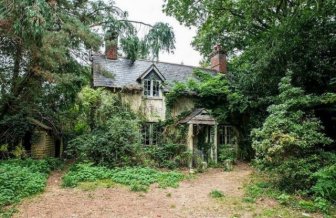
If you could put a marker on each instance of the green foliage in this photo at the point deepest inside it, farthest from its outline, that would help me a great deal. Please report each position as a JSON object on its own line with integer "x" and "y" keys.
{"x": 23, "y": 178}
{"x": 160, "y": 37}
{"x": 114, "y": 144}
{"x": 84, "y": 173}
{"x": 137, "y": 178}
{"x": 288, "y": 131}
{"x": 168, "y": 156}
{"x": 290, "y": 140}
{"x": 216, "y": 194}
{"x": 262, "y": 186}
{"x": 45, "y": 49}
{"x": 298, "y": 173}
{"x": 325, "y": 183}
{"x": 252, "y": 34}
{"x": 108, "y": 132}
{"x": 226, "y": 152}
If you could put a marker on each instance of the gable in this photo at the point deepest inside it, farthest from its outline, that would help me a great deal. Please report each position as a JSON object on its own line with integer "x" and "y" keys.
{"x": 199, "y": 116}
{"x": 152, "y": 73}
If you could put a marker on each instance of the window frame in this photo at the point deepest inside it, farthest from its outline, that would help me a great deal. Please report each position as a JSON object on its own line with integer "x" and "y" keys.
{"x": 150, "y": 133}
{"x": 152, "y": 85}
{"x": 225, "y": 134}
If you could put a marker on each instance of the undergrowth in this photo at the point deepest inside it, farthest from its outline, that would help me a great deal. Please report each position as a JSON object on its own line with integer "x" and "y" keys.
{"x": 261, "y": 187}
{"x": 137, "y": 178}
{"x": 22, "y": 178}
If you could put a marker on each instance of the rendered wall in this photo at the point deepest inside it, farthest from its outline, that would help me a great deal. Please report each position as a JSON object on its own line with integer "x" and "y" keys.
{"x": 154, "y": 109}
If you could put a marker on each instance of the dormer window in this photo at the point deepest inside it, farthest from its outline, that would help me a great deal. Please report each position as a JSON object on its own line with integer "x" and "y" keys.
{"x": 152, "y": 88}
{"x": 151, "y": 81}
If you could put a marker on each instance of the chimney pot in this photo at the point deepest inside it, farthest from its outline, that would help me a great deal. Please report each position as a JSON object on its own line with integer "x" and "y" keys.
{"x": 111, "y": 48}
{"x": 218, "y": 59}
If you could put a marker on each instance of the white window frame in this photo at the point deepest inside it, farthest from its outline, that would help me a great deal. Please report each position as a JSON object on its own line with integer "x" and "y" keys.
{"x": 151, "y": 89}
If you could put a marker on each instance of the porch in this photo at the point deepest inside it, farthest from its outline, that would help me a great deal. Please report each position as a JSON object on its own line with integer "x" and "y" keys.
{"x": 205, "y": 136}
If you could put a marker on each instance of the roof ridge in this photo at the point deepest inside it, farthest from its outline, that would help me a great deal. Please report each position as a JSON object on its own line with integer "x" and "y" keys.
{"x": 161, "y": 62}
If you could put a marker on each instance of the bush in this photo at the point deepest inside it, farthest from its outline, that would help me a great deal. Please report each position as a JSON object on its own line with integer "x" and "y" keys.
{"x": 291, "y": 139}
{"x": 115, "y": 144}
{"x": 137, "y": 178}
{"x": 22, "y": 178}
{"x": 169, "y": 156}
{"x": 298, "y": 174}
{"x": 226, "y": 152}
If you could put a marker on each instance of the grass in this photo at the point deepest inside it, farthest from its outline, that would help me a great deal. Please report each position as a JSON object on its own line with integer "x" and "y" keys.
{"x": 216, "y": 194}
{"x": 137, "y": 178}
{"x": 92, "y": 186}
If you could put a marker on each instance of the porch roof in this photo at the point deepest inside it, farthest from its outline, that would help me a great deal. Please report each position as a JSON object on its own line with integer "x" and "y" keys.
{"x": 199, "y": 116}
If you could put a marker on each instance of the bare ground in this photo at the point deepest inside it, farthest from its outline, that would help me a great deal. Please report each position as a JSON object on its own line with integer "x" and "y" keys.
{"x": 191, "y": 199}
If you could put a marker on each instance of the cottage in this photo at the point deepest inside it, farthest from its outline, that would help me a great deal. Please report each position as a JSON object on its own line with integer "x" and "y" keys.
{"x": 143, "y": 86}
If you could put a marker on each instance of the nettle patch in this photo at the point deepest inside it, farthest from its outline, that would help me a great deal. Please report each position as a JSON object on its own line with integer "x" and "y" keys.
{"x": 23, "y": 178}
{"x": 137, "y": 178}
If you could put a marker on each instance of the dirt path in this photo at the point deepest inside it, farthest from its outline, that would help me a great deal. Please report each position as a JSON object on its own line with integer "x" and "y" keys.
{"x": 191, "y": 199}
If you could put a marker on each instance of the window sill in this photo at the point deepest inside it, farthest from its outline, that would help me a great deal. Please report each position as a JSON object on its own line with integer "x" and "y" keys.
{"x": 152, "y": 98}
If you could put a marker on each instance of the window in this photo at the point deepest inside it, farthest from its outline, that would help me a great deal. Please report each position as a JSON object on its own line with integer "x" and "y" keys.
{"x": 151, "y": 133}
{"x": 225, "y": 134}
{"x": 151, "y": 85}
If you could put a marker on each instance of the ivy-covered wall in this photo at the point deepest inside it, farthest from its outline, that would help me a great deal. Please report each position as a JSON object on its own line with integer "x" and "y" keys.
{"x": 155, "y": 109}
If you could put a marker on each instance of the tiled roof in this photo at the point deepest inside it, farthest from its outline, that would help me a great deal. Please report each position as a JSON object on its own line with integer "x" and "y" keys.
{"x": 120, "y": 73}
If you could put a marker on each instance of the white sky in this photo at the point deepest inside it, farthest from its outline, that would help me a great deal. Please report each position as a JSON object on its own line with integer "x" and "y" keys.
{"x": 150, "y": 11}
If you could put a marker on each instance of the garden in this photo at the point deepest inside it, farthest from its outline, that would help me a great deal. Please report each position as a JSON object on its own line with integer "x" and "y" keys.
{"x": 278, "y": 93}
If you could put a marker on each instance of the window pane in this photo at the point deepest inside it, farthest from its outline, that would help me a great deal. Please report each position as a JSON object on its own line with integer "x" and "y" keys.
{"x": 145, "y": 134}
{"x": 229, "y": 134}
{"x": 147, "y": 87}
{"x": 221, "y": 134}
{"x": 156, "y": 88}
{"x": 156, "y": 133}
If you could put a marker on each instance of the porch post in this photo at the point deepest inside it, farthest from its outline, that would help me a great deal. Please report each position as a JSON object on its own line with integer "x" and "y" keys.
{"x": 190, "y": 142}
{"x": 215, "y": 143}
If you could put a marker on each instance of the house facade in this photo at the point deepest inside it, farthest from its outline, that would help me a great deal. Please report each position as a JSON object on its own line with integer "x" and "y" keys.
{"x": 143, "y": 85}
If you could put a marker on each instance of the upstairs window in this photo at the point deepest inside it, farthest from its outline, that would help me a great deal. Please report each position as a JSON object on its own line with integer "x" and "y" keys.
{"x": 152, "y": 88}
{"x": 151, "y": 85}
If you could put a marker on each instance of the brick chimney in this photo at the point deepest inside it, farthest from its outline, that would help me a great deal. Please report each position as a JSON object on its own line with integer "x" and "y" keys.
{"x": 218, "y": 60}
{"x": 111, "y": 47}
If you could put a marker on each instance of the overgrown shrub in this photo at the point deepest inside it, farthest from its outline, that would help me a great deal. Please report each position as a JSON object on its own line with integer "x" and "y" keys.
{"x": 226, "y": 152}
{"x": 168, "y": 156}
{"x": 299, "y": 173}
{"x": 291, "y": 140}
{"x": 137, "y": 178}
{"x": 114, "y": 144}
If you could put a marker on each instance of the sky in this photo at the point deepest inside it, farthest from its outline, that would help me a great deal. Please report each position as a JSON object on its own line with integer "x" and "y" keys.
{"x": 150, "y": 11}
